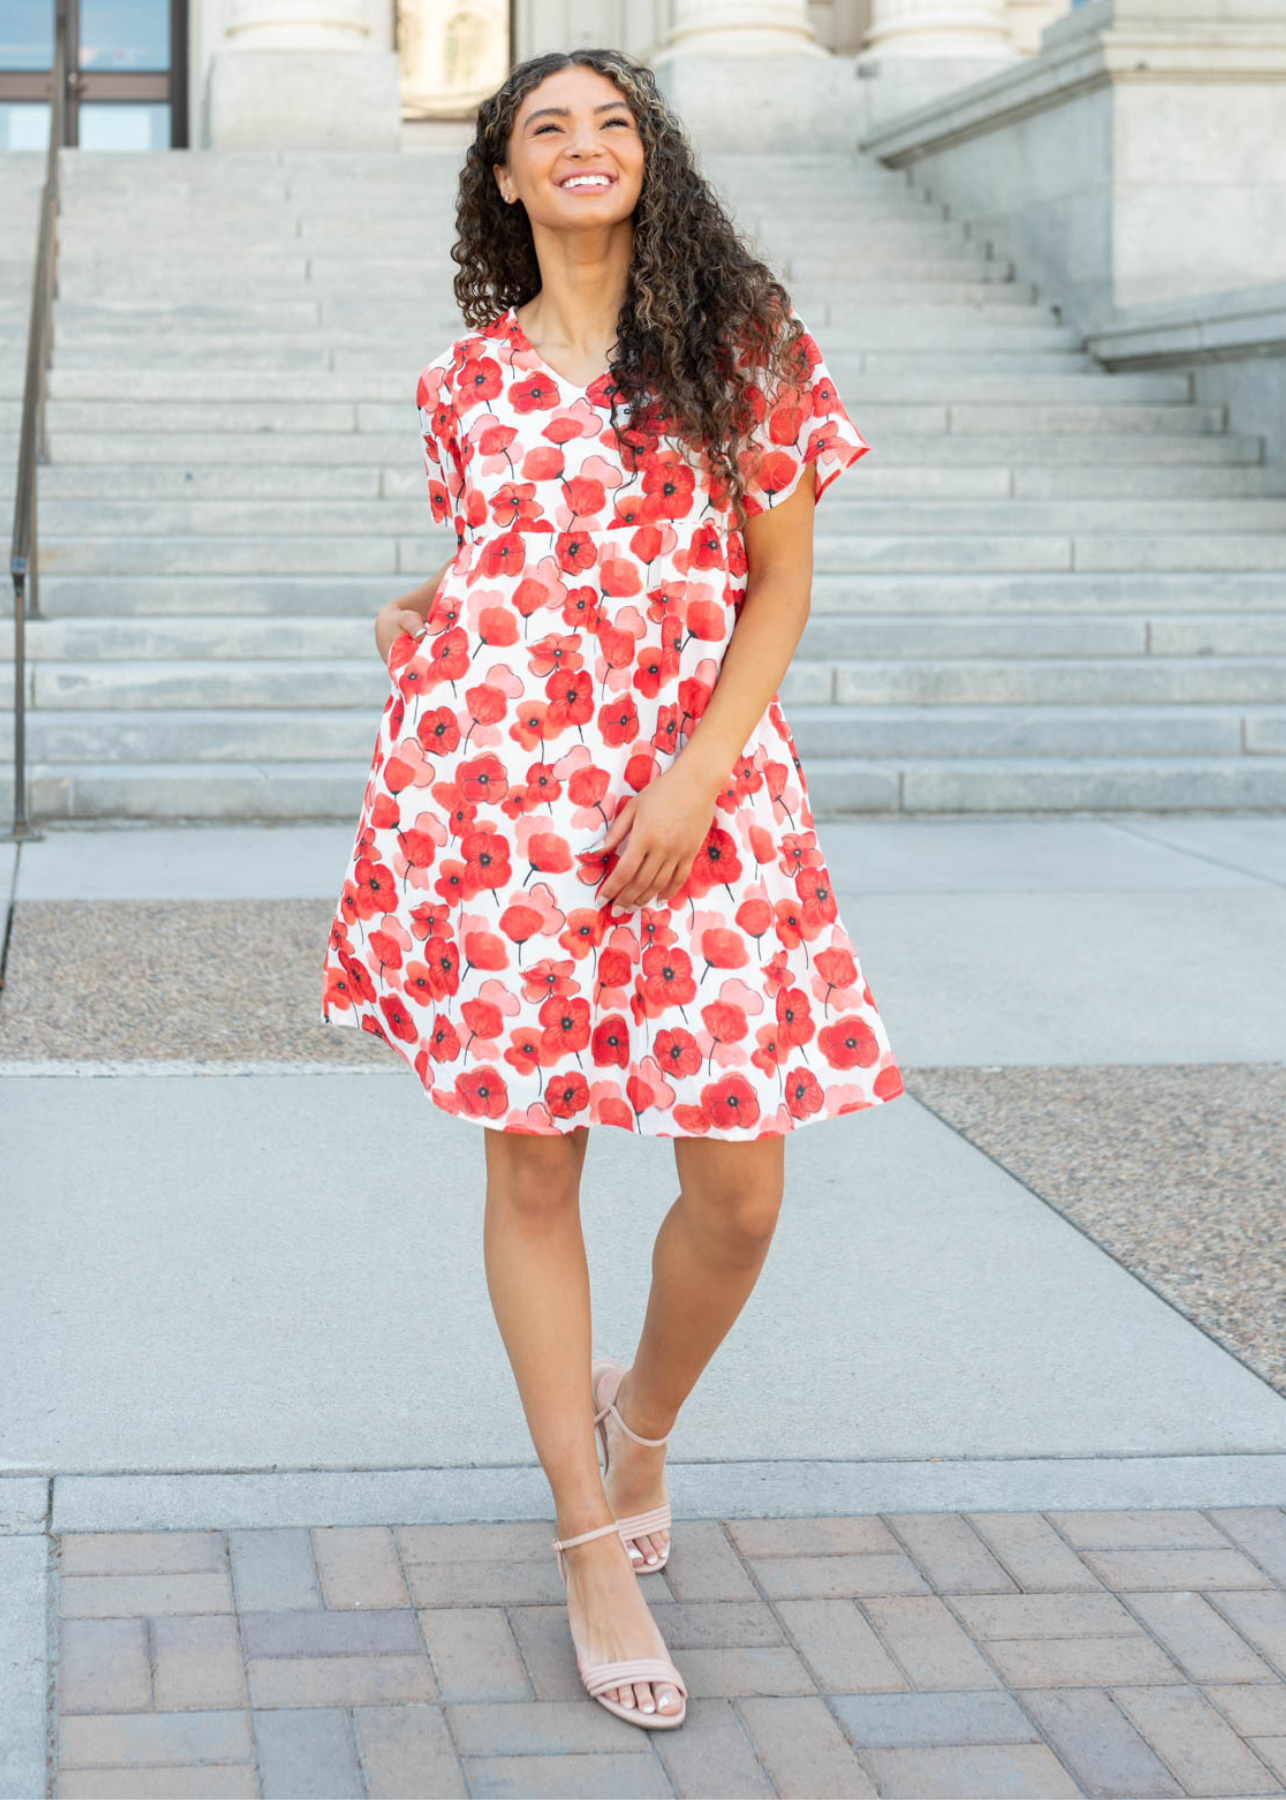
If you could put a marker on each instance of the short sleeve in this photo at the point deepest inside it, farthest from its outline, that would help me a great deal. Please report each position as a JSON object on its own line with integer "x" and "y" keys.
{"x": 439, "y": 434}
{"x": 800, "y": 424}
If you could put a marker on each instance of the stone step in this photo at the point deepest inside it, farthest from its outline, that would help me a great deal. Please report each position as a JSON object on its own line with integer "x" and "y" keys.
{"x": 838, "y": 787}
{"x": 920, "y": 481}
{"x": 386, "y": 216}
{"x": 1177, "y": 784}
{"x": 1121, "y": 553}
{"x": 1023, "y": 729}
{"x": 224, "y": 387}
{"x": 1158, "y": 593}
{"x": 214, "y": 736}
{"x": 947, "y": 681}
{"x": 172, "y": 342}
{"x": 414, "y": 246}
{"x": 340, "y": 228}
{"x": 354, "y": 418}
{"x": 1101, "y": 680}
{"x": 1048, "y": 484}
{"x": 286, "y": 258}
{"x": 834, "y": 638}
{"x": 989, "y": 325}
{"x": 850, "y": 267}
{"x": 923, "y": 287}
{"x": 1083, "y": 453}
{"x": 1042, "y": 358}
{"x": 858, "y": 596}
{"x": 839, "y": 637}
{"x": 143, "y": 379}
{"x": 71, "y": 520}
{"x": 938, "y": 553}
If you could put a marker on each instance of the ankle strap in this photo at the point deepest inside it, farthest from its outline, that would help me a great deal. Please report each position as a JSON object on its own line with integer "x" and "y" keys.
{"x": 611, "y": 1408}
{"x": 561, "y": 1544}
{"x": 598, "y": 1531}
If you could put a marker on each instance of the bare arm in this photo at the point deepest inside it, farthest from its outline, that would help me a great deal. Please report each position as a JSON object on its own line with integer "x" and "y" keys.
{"x": 407, "y": 613}
{"x": 664, "y": 826}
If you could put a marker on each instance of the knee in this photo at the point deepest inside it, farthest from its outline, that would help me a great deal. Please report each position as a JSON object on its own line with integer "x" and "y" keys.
{"x": 537, "y": 1182}
{"x": 742, "y": 1217}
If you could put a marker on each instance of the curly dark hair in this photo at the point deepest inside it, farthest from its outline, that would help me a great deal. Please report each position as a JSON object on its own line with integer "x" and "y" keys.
{"x": 701, "y": 338}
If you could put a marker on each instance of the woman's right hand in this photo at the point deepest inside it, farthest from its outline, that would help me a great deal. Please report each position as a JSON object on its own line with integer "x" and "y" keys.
{"x": 390, "y": 622}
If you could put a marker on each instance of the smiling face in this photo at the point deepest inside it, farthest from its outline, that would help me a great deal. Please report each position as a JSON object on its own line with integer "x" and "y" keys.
{"x": 575, "y": 154}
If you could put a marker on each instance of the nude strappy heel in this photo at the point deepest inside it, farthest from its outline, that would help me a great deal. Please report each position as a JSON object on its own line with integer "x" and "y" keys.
{"x": 656, "y": 1518}
{"x": 601, "y": 1676}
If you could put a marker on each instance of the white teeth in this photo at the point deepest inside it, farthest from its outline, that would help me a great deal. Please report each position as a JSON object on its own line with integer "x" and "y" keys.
{"x": 586, "y": 181}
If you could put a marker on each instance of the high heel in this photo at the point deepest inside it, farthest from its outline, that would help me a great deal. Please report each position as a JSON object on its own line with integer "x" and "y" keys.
{"x": 598, "y": 1677}
{"x": 656, "y": 1518}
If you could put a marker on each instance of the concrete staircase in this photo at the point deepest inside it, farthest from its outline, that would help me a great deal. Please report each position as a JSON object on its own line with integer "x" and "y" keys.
{"x": 1046, "y": 588}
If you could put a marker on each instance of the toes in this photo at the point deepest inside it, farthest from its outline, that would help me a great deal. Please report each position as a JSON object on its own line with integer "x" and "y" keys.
{"x": 643, "y": 1692}
{"x": 667, "y": 1697}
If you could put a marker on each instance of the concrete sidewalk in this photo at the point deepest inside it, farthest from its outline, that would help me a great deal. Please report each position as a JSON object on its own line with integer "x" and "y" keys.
{"x": 1048, "y": 1281}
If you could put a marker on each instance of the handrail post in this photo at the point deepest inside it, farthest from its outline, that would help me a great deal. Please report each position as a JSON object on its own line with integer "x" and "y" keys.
{"x": 33, "y": 441}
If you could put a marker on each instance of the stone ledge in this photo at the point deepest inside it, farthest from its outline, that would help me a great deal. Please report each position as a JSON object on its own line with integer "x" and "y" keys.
{"x": 1061, "y": 71}
{"x": 1231, "y": 324}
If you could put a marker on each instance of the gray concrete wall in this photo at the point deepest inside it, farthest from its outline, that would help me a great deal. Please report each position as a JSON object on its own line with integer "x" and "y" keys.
{"x": 1140, "y": 157}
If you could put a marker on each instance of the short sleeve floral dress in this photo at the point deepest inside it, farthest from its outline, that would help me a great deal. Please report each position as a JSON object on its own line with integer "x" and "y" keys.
{"x": 571, "y": 648}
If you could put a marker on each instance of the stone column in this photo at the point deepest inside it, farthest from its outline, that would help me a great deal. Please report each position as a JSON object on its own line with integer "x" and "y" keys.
{"x": 302, "y": 75}
{"x": 938, "y": 28}
{"x": 741, "y": 28}
{"x": 917, "y": 50}
{"x": 750, "y": 75}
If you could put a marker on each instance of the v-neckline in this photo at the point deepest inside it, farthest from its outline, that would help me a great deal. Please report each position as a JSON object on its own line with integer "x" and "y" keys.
{"x": 528, "y": 347}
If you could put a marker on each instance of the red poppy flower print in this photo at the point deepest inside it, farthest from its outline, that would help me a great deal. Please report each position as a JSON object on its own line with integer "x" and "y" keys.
{"x": 482, "y": 779}
{"x": 443, "y": 1041}
{"x": 676, "y": 1052}
{"x": 533, "y": 393}
{"x": 567, "y": 1095}
{"x": 610, "y": 1042}
{"x": 731, "y": 1103}
{"x": 666, "y": 979}
{"x": 486, "y": 862}
{"x": 849, "y": 1043}
{"x": 715, "y": 862}
{"x": 803, "y": 1093}
{"x": 618, "y": 721}
{"x": 571, "y": 700}
{"x": 438, "y": 731}
{"x": 482, "y": 1092}
{"x": 566, "y": 1023}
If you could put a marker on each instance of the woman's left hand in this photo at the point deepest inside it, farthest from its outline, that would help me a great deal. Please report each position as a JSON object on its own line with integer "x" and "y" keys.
{"x": 661, "y": 828}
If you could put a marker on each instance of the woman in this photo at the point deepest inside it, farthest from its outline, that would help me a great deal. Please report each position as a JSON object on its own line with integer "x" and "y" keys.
{"x": 585, "y": 888}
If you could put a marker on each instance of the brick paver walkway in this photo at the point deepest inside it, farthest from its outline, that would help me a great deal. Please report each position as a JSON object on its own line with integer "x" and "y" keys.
{"x": 979, "y": 1654}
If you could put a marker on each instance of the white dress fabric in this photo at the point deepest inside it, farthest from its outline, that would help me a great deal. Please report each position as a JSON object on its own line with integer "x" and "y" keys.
{"x": 571, "y": 648}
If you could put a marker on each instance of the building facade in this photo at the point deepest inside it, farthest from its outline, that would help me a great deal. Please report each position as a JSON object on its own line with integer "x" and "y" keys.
{"x": 160, "y": 74}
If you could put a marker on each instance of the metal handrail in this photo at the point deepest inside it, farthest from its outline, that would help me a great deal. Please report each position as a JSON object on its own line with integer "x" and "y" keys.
{"x": 33, "y": 443}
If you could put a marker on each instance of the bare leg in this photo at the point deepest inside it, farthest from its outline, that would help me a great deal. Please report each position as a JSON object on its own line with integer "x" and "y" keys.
{"x": 706, "y": 1259}
{"x": 538, "y": 1280}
